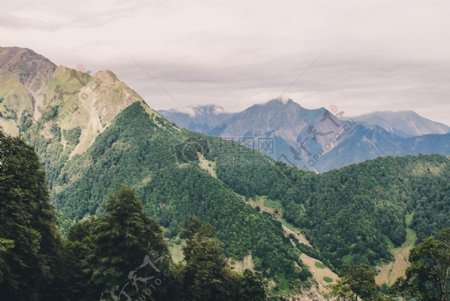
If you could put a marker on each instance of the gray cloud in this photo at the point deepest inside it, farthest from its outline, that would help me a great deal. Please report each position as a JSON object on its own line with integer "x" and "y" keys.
{"x": 376, "y": 54}
{"x": 50, "y": 15}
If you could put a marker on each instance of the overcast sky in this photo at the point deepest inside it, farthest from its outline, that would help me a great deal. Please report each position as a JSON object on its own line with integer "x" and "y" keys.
{"x": 359, "y": 55}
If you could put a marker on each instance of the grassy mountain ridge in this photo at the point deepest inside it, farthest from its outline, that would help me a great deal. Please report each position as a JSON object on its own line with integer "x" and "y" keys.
{"x": 31, "y": 87}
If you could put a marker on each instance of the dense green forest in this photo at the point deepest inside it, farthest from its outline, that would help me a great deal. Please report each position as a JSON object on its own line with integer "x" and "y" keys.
{"x": 30, "y": 245}
{"x": 120, "y": 255}
{"x": 123, "y": 189}
{"x": 352, "y": 214}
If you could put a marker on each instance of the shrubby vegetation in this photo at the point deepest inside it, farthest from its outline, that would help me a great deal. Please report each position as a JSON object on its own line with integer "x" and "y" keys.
{"x": 26, "y": 121}
{"x": 72, "y": 136}
{"x": 9, "y": 114}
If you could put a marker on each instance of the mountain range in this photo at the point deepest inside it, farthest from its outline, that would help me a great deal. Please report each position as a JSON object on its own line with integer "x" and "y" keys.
{"x": 318, "y": 139}
{"x": 404, "y": 123}
{"x": 299, "y": 229}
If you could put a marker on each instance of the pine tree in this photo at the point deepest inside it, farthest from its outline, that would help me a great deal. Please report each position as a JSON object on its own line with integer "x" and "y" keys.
{"x": 251, "y": 287}
{"x": 125, "y": 239}
{"x": 206, "y": 274}
{"x": 78, "y": 257}
{"x": 29, "y": 241}
{"x": 428, "y": 277}
{"x": 205, "y": 264}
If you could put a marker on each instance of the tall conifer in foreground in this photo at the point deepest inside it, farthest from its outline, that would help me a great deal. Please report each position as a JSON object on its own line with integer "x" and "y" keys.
{"x": 428, "y": 277}
{"x": 207, "y": 275}
{"x": 125, "y": 239}
{"x": 29, "y": 241}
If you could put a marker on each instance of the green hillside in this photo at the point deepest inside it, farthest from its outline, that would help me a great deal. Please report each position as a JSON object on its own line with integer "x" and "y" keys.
{"x": 353, "y": 214}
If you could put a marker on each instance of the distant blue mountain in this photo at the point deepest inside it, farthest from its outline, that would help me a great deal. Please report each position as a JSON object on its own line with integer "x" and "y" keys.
{"x": 316, "y": 139}
{"x": 403, "y": 123}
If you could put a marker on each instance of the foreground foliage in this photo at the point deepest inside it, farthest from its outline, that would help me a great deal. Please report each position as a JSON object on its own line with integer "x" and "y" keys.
{"x": 428, "y": 277}
{"x": 29, "y": 243}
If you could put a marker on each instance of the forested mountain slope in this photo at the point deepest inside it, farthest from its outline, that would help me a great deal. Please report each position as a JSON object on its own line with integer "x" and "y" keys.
{"x": 154, "y": 158}
{"x": 354, "y": 213}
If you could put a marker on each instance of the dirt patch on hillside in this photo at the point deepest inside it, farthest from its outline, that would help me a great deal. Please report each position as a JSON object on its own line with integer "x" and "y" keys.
{"x": 207, "y": 165}
{"x": 320, "y": 273}
{"x": 245, "y": 264}
{"x": 310, "y": 294}
{"x": 319, "y": 270}
{"x": 395, "y": 269}
{"x": 298, "y": 235}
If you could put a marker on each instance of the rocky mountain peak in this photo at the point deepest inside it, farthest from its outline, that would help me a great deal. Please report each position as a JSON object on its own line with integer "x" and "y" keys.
{"x": 31, "y": 69}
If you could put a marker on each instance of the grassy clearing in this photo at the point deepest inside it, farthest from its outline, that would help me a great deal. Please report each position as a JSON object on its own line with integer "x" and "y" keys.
{"x": 262, "y": 202}
{"x": 274, "y": 204}
{"x": 176, "y": 249}
{"x": 245, "y": 264}
{"x": 320, "y": 274}
{"x": 390, "y": 272}
{"x": 206, "y": 165}
{"x": 291, "y": 229}
{"x": 319, "y": 265}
